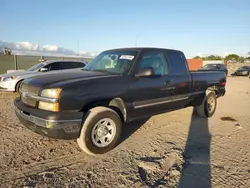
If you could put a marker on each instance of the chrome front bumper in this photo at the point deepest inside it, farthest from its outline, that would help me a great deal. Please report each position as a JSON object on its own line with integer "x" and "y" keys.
{"x": 52, "y": 128}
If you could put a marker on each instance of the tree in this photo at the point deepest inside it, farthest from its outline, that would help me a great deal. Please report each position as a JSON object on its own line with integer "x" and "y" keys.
{"x": 241, "y": 59}
{"x": 197, "y": 57}
{"x": 213, "y": 57}
{"x": 210, "y": 57}
{"x": 7, "y": 51}
{"x": 234, "y": 57}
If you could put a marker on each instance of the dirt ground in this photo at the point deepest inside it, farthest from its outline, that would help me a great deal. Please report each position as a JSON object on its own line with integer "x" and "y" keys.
{"x": 174, "y": 149}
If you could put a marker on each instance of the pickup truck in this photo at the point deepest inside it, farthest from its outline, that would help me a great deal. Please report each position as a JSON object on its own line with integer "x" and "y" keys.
{"x": 92, "y": 104}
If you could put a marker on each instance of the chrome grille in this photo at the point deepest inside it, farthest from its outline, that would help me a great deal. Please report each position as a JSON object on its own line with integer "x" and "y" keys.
{"x": 28, "y": 101}
{"x": 30, "y": 89}
{"x": 25, "y": 88}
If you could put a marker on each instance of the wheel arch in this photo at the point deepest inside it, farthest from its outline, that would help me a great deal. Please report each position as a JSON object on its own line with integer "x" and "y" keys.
{"x": 117, "y": 104}
{"x": 18, "y": 82}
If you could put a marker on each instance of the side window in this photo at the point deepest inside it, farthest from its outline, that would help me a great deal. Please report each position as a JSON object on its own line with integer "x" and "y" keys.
{"x": 155, "y": 60}
{"x": 78, "y": 65}
{"x": 67, "y": 65}
{"x": 177, "y": 62}
{"x": 53, "y": 66}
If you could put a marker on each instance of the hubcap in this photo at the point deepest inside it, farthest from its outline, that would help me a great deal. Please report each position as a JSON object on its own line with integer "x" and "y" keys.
{"x": 210, "y": 104}
{"x": 103, "y": 132}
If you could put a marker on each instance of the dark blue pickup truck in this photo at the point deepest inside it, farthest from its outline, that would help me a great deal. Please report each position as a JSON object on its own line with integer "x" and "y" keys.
{"x": 117, "y": 86}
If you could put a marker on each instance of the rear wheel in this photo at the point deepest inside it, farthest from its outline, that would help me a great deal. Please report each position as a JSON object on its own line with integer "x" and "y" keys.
{"x": 100, "y": 132}
{"x": 208, "y": 106}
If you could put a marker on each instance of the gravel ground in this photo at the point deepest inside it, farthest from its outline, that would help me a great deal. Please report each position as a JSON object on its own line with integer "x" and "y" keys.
{"x": 174, "y": 149}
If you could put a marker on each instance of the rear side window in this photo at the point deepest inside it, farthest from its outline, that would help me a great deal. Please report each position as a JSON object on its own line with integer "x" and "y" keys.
{"x": 177, "y": 62}
{"x": 78, "y": 65}
{"x": 53, "y": 66}
{"x": 70, "y": 65}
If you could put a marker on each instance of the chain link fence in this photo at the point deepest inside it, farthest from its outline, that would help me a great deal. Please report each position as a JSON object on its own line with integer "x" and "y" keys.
{"x": 16, "y": 62}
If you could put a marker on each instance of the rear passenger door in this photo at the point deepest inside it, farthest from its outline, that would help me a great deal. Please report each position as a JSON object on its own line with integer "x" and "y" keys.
{"x": 181, "y": 78}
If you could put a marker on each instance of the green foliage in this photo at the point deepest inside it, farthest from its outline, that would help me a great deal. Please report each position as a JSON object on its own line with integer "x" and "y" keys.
{"x": 213, "y": 57}
{"x": 241, "y": 59}
{"x": 197, "y": 57}
{"x": 232, "y": 57}
{"x": 210, "y": 57}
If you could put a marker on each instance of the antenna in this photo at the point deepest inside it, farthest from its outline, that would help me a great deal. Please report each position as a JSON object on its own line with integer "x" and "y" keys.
{"x": 136, "y": 38}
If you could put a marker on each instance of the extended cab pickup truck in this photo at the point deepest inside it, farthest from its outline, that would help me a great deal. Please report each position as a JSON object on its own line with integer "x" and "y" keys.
{"x": 117, "y": 86}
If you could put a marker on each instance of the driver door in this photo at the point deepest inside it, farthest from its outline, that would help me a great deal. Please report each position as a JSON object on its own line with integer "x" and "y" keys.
{"x": 151, "y": 94}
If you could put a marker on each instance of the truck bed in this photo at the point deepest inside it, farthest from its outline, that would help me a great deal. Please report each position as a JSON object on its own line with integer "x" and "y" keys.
{"x": 205, "y": 79}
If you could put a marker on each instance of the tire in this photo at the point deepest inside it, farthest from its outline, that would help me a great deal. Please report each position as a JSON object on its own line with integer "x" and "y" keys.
{"x": 18, "y": 86}
{"x": 207, "y": 110}
{"x": 93, "y": 125}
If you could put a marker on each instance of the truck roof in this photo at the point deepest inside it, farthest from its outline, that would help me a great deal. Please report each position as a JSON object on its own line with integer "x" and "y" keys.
{"x": 142, "y": 49}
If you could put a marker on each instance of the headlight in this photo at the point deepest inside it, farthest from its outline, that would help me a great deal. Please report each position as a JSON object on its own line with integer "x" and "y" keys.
{"x": 51, "y": 93}
{"x": 54, "y": 107}
{"x": 9, "y": 78}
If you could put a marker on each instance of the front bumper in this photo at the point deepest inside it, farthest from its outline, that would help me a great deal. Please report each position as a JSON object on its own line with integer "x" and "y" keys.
{"x": 8, "y": 85}
{"x": 59, "y": 125}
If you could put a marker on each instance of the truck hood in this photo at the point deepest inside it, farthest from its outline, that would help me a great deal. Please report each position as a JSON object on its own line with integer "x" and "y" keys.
{"x": 60, "y": 78}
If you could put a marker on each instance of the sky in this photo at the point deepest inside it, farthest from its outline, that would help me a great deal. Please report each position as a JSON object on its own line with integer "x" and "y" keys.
{"x": 79, "y": 26}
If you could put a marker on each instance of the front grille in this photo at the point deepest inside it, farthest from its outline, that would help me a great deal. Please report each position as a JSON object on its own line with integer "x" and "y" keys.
{"x": 30, "y": 89}
{"x": 28, "y": 101}
{"x": 25, "y": 88}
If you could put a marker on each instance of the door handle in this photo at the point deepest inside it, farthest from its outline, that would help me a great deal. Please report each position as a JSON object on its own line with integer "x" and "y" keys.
{"x": 168, "y": 83}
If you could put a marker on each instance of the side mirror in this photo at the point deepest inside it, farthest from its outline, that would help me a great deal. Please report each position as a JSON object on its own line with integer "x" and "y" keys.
{"x": 148, "y": 71}
{"x": 44, "y": 70}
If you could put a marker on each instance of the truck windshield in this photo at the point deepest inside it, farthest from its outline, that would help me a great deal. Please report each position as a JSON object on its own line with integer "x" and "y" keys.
{"x": 36, "y": 67}
{"x": 114, "y": 62}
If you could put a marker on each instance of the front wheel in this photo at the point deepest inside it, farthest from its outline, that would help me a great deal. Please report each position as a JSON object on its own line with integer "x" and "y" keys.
{"x": 100, "y": 131}
{"x": 208, "y": 106}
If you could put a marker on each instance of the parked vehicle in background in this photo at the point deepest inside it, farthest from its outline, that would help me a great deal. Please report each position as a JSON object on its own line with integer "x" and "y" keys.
{"x": 242, "y": 71}
{"x": 11, "y": 81}
{"x": 214, "y": 67}
{"x": 118, "y": 86}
